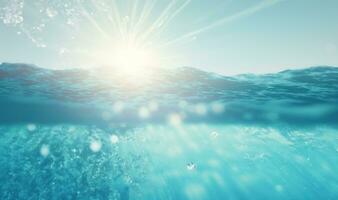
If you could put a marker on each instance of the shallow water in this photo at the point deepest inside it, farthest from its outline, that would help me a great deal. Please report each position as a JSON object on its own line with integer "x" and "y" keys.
{"x": 245, "y": 137}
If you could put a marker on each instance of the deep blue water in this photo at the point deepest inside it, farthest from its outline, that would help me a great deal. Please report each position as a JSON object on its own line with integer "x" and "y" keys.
{"x": 180, "y": 134}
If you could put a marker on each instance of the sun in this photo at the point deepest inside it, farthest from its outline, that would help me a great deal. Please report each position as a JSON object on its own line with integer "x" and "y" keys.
{"x": 127, "y": 55}
{"x": 131, "y": 60}
{"x": 132, "y": 56}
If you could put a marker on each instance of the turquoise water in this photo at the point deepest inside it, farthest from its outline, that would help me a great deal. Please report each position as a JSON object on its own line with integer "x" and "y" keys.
{"x": 186, "y": 135}
{"x": 161, "y": 162}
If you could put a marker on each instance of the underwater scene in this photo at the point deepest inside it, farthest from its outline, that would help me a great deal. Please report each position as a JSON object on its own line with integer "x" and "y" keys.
{"x": 168, "y": 100}
{"x": 184, "y": 133}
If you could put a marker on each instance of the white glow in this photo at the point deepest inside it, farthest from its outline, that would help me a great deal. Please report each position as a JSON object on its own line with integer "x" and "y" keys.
{"x": 44, "y": 150}
{"x": 191, "y": 166}
{"x": 31, "y": 127}
{"x": 153, "y": 106}
{"x": 114, "y": 139}
{"x": 95, "y": 146}
{"x": 130, "y": 56}
{"x": 130, "y": 60}
{"x": 201, "y": 109}
{"x": 143, "y": 113}
{"x": 217, "y": 107}
{"x": 175, "y": 119}
{"x": 118, "y": 107}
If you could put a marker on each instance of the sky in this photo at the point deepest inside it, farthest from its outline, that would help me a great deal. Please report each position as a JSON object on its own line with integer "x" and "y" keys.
{"x": 223, "y": 36}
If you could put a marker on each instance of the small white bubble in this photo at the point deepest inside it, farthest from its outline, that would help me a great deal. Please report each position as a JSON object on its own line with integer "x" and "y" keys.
{"x": 41, "y": 45}
{"x": 118, "y": 107}
{"x": 214, "y": 134}
{"x": 51, "y": 12}
{"x": 153, "y": 106}
{"x": 62, "y": 51}
{"x": 200, "y": 109}
{"x": 70, "y": 22}
{"x": 71, "y": 129}
{"x": 128, "y": 180}
{"x": 217, "y": 107}
{"x": 175, "y": 119}
{"x": 95, "y": 146}
{"x": 31, "y": 127}
{"x": 114, "y": 139}
{"x": 44, "y": 150}
{"x": 191, "y": 166}
{"x": 279, "y": 188}
{"x": 143, "y": 112}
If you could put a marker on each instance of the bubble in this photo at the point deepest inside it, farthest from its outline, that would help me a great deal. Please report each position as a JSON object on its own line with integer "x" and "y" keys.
{"x": 191, "y": 166}
{"x": 12, "y": 13}
{"x": 217, "y": 107}
{"x": 41, "y": 45}
{"x": 214, "y": 134}
{"x": 118, "y": 106}
{"x": 175, "y": 119}
{"x": 44, "y": 150}
{"x": 153, "y": 106}
{"x": 279, "y": 188}
{"x": 201, "y": 109}
{"x": 143, "y": 112}
{"x": 51, "y": 13}
{"x": 114, "y": 139}
{"x": 71, "y": 129}
{"x": 128, "y": 180}
{"x": 95, "y": 146}
{"x": 62, "y": 51}
{"x": 70, "y": 22}
{"x": 31, "y": 127}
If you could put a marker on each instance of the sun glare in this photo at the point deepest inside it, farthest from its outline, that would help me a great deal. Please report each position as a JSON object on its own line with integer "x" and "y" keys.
{"x": 132, "y": 56}
{"x": 133, "y": 62}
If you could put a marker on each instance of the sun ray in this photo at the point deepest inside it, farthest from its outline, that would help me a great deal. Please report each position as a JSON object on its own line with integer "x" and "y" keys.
{"x": 244, "y": 13}
{"x": 116, "y": 15}
{"x": 132, "y": 19}
{"x": 146, "y": 11}
{"x": 159, "y": 20}
{"x": 169, "y": 19}
{"x": 94, "y": 22}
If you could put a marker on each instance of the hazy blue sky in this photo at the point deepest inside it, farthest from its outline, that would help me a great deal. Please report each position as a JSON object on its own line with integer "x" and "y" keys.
{"x": 225, "y": 36}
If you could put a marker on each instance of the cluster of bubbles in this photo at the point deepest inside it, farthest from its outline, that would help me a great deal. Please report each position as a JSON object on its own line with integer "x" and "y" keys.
{"x": 32, "y": 18}
{"x": 200, "y": 149}
{"x": 95, "y": 144}
{"x": 12, "y": 13}
{"x": 175, "y": 118}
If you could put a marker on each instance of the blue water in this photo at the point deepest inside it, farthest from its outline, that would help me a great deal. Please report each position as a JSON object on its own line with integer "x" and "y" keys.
{"x": 181, "y": 134}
